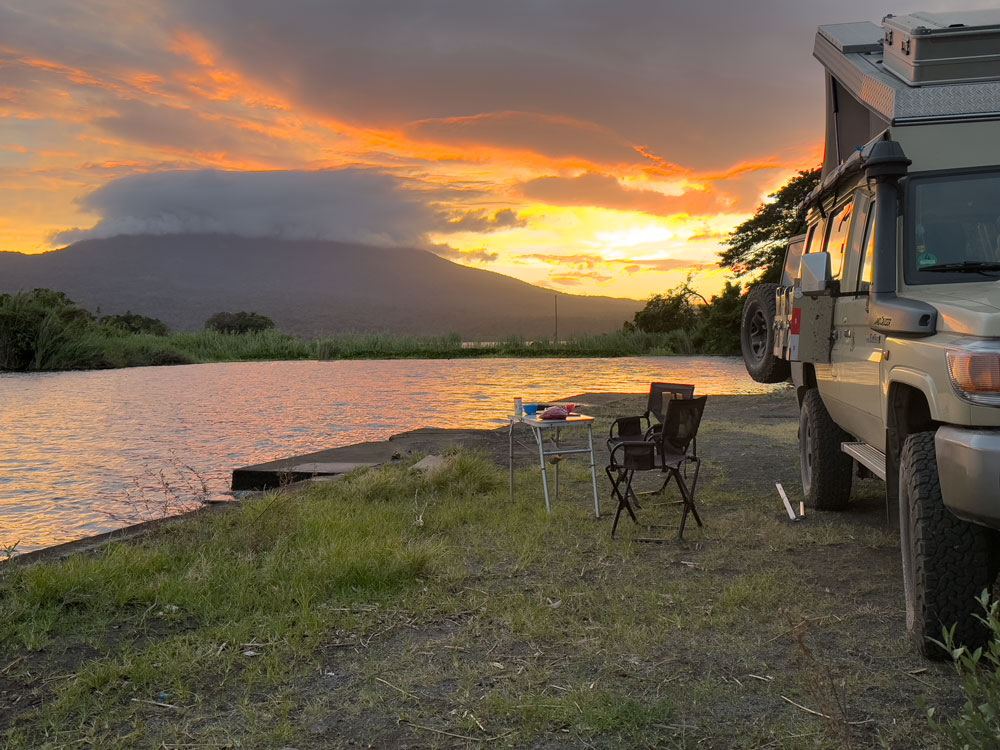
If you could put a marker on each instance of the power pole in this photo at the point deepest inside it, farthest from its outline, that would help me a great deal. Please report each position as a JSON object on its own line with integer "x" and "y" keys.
{"x": 555, "y": 302}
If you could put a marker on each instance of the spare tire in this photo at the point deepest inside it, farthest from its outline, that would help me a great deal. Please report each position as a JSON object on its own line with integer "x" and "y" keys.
{"x": 757, "y": 336}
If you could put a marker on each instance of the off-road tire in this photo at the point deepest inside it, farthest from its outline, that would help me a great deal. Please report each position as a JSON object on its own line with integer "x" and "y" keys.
{"x": 827, "y": 471}
{"x": 947, "y": 562}
{"x": 757, "y": 336}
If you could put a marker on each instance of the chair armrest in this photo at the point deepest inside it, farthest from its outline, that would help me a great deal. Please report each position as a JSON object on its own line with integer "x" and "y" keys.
{"x": 621, "y": 446}
{"x": 613, "y": 436}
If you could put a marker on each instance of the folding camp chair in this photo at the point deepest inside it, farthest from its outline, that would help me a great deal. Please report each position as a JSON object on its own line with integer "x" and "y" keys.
{"x": 669, "y": 451}
{"x": 660, "y": 395}
{"x": 640, "y": 426}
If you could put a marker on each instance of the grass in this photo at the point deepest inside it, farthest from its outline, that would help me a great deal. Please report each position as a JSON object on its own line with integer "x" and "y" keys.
{"x": 103, "y": 347}
{"x": 393, "y": 608}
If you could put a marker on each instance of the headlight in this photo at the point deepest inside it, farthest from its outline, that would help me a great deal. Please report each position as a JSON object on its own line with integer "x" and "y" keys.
{"x": 975, "y": 374}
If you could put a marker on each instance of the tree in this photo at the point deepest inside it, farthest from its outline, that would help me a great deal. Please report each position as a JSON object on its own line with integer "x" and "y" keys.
{"x": 132, "y": 322}
{"x": 240, "y": 322}
{"x": 759, "y": 243}
{"x": 665, "y": 312}
{"x": 719, "y": 321}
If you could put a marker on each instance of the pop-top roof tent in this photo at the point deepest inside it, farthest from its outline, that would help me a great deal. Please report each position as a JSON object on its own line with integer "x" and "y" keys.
{"x": 921, "y": 68}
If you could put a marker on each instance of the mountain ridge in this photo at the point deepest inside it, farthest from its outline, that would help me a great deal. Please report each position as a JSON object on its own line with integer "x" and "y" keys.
{"x": 308, "y": 287}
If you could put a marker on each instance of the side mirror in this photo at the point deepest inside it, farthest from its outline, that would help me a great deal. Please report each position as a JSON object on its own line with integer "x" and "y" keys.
{"x": 815, "y": 274}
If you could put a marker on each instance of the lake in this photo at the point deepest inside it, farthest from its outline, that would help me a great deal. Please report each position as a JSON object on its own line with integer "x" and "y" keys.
{"x": 82, "y": 452}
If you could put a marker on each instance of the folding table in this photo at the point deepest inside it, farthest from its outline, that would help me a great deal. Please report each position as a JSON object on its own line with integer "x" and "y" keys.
{"x": 538, "y": 427}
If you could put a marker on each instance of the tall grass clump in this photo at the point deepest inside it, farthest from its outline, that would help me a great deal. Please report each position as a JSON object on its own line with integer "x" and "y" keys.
{"x": 215, "y": 346}
{"x": 39, "y": 327}
{"x": 389, "y": 346}
{"x": 977, "y": 724}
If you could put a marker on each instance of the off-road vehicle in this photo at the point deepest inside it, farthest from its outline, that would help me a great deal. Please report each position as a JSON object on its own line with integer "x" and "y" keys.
{"x": 887, "y": 319}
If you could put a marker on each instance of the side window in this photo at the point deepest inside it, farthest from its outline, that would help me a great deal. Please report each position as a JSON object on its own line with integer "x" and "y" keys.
{"x": 865, "y": 277}
{"x": 838, "y": 229}
{"x": 814, "y": 238}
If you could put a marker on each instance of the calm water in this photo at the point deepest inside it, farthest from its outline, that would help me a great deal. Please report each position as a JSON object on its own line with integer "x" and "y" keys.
{"x": 75, "y": 446}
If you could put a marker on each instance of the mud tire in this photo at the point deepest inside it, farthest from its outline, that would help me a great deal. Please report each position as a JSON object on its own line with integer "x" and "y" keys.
{"x": 947, "y": 562}
{"x": 757, "y": 336}
{"x": 827, "y": 472}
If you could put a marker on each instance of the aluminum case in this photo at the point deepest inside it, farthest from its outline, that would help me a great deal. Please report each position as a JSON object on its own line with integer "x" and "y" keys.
{"x": 935, "y": 48}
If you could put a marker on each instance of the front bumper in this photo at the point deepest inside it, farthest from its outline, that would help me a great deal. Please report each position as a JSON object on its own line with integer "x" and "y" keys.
{"x": 969, "y": 470}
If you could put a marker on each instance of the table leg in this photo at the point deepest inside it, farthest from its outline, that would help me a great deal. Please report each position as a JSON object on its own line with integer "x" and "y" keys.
{"x": 593, "y": 469}
{"x": 510, "y": 457}
{"x": 555, "y": 442}
{"x": 541, "y": 460}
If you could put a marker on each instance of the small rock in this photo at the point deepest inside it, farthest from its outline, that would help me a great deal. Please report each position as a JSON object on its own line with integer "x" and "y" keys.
{"x": 430, "y": 464}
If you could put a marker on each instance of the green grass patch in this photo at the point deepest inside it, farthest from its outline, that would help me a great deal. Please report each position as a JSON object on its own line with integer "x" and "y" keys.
{"x": 397, "y": 608}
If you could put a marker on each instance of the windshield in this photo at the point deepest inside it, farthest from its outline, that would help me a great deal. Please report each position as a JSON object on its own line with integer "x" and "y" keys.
{"x": 953, "y": 228}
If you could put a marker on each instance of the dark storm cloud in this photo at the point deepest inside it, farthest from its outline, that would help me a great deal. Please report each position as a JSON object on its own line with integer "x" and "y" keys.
{"x": 701, "y": 84}
{"x": 555, "y": 137}
{"x": 173, "y": 127}
{"x": 343, "y": 205}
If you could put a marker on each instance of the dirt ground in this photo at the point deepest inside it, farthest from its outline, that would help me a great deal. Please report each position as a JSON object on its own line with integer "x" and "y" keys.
{"x": 754, "y": 632}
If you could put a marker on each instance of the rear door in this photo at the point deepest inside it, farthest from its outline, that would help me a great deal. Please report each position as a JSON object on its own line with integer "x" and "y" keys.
{"x": 857, "y": 349}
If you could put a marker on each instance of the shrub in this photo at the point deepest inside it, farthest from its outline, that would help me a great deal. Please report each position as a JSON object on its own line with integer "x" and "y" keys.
{"x": 240, "y": 322}
{"x": 131, "y": 322}
{"x": 978, "y": 723}
{"x": 37, "y": 324}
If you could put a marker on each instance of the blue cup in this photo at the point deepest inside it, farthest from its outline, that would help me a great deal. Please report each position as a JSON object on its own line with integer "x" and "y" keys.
{"x": 531, "y": 409}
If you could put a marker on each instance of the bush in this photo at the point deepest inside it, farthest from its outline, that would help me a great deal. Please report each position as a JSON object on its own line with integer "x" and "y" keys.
{"x": 36, "y": 325}
{"x": 130, "y": 322}
{"x": 240, "y": 322}
{"x": 978, "y": 723}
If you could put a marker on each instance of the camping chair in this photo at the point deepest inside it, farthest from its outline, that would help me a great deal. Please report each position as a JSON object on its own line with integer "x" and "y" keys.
{"x": 660, "y": 395}
{"x": 627, "y": 428}
{"x": 639, "y": 427}
{"x": 669, "y": 452}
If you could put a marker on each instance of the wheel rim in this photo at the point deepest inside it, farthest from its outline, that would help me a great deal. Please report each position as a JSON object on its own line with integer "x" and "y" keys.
{"x": 758, "y": 334}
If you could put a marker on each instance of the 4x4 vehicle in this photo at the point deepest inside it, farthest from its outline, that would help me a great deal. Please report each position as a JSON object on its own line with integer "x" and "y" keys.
{"x": 888, "y": 315}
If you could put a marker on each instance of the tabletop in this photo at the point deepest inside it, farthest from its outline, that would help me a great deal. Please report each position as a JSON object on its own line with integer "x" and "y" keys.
{"x": 536, "y": 421}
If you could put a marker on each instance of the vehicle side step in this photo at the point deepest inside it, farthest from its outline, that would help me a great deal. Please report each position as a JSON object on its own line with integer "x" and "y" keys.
{"x": 871, "y": 458}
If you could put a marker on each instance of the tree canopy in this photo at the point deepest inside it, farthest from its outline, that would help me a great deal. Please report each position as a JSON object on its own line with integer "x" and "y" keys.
{"x": 132, "y": 322}
{"x": 238, "y": 322}
{"x": 708, "y": 326}
{"x": 759, "y": 243}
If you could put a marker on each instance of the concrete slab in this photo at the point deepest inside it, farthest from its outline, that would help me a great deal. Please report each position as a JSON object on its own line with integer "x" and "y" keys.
{"x": 330, "y": 467}
{"x": 272, "y": 474}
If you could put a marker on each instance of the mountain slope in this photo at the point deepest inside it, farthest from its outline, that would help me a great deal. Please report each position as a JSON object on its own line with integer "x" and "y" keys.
{"x": 306, "y": 287}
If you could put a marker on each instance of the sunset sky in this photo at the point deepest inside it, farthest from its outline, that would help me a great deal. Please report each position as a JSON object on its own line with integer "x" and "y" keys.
{"x": 588, "y": 146}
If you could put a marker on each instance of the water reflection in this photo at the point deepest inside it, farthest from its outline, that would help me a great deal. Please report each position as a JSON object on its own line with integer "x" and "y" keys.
{"x": 72, "y": 444}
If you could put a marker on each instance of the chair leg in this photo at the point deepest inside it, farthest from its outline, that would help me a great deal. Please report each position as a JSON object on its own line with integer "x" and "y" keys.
{"x": 616, "y": 477}
{"x": 623, "y": 503}
{"x": 688, "y": 500}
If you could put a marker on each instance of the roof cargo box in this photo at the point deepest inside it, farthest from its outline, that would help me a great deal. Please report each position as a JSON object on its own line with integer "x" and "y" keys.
{"x": 955, "y": 47}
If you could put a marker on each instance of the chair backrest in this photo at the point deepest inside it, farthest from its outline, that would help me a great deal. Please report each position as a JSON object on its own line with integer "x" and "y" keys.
{"x": 655, "y": 402}
{"x": 680, "y": 426}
